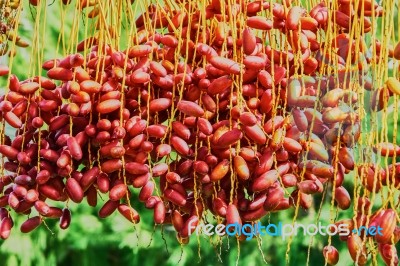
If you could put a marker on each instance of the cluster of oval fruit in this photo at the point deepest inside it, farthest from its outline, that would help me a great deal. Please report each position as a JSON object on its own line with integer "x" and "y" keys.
{"x": 223, "y": 123}
{"x": 8, "y": 24}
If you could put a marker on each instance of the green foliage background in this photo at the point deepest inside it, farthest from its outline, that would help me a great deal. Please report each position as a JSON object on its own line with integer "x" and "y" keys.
{"x": 114, "y": 241}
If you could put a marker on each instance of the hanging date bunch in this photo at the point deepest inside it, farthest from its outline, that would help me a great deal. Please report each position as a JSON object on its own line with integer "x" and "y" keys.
{"x": 9, "y": 13}
{"x": 236, "y": 109}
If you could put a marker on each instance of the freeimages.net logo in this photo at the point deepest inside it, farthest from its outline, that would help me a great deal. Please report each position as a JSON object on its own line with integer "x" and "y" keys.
{"x": 281, "y": 230}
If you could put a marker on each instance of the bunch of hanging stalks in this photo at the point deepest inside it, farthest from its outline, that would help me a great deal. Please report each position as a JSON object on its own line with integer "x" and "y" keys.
{"x": 236, "y": 108}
